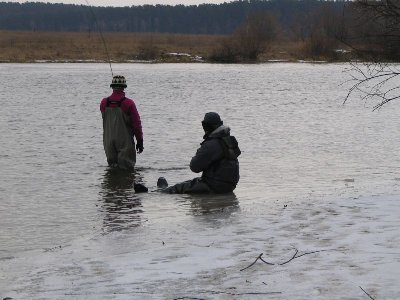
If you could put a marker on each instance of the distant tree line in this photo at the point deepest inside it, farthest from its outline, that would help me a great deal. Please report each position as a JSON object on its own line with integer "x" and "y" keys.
{"x": 293, "y": 15}
{"x": 250, "y": 26}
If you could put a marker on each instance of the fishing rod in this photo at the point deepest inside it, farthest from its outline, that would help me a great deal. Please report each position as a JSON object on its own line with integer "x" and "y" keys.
{"x": 101, "y": 35}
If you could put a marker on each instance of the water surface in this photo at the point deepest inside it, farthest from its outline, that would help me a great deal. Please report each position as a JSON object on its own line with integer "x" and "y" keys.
{"x": 299, "y": 145}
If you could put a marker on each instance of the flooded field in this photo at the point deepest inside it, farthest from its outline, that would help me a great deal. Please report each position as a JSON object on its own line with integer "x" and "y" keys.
{"x": 318, "y": 195}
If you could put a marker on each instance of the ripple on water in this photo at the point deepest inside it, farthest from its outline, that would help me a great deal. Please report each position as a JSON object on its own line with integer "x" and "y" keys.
{"x": 300, "y": 147}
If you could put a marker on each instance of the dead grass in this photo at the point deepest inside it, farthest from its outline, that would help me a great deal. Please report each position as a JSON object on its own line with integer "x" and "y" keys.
{"x": 18, "y": 46}
{"x": 22, "y": 46}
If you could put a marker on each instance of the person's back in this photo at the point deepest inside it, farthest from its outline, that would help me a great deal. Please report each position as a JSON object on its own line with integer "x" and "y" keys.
{"x": 121, "y": 122}
{"x": 217, "y": 158}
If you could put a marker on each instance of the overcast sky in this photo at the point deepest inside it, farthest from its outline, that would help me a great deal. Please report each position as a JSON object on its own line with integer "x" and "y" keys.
{"x": 127, "y": 2}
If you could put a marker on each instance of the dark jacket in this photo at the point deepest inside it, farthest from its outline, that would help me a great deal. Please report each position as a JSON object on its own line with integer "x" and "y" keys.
{"x": 217, "y": 159}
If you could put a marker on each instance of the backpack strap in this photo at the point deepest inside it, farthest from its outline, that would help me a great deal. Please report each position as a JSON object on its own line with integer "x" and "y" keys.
{"x": 229, "y": 147}
{"x": 115, "y": 102}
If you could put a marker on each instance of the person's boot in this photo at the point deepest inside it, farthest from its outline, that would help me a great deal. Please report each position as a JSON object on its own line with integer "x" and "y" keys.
{"x": 162, "y": 183}
{"x": 140, "y": 188}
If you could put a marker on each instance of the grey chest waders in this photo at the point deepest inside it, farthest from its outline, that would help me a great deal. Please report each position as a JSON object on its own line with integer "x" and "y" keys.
{"x": 118, "y": 142}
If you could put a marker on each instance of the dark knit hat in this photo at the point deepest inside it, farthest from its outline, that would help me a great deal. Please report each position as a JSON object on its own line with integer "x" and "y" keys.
{"x": 118, "y": 81}
{"x": 212, "y": 118}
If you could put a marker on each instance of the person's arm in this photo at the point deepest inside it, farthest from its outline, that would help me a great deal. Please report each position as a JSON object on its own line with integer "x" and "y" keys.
{"x": 136, "y": 127}
{"x": 136, "y": 122}
{"x": 103, "y": 106}
{"x": 206, "y": 155}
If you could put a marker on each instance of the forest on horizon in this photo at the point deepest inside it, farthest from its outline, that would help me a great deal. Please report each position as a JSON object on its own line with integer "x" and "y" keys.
{"x": 195, "y": 19}
{"x": 239, "y": 31}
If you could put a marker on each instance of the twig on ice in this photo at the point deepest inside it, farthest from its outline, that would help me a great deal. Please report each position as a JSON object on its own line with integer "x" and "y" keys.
{"x": 366, "y": 293}
{"x": 293, "y": 257}
{"x": 265, "y": 262}
{"x": 242, "y": 294}
{"x": 191, "y": 298}
{"x": 310, "y": 253}
{"x": 281, "y": 264}
{"x": 258, "y": 257}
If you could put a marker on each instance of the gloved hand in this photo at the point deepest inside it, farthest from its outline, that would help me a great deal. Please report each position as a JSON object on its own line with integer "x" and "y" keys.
{"x": 139, "y": 146}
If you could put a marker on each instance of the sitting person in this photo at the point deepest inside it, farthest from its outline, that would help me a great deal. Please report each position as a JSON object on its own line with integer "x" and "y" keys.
{"x": 216, "y": 158}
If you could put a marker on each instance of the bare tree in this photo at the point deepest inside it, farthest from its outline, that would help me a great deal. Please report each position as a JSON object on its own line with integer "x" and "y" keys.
{"x": 321, "y": 41}
{"x": 385, "y": 16}
{"x": 249, "y": 40}
{"x": 377, "y": 80}
{"x": 255, "y": 35}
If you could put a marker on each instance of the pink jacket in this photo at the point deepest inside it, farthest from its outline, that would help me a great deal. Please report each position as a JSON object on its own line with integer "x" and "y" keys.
{"x": 129, "y": 107}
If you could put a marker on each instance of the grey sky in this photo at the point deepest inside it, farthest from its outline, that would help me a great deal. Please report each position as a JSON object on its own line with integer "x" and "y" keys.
{"x": 127, "y": 2}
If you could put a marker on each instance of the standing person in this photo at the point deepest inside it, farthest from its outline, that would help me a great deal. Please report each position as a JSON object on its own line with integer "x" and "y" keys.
{"x": 121, "y": 123}
{"x": 216, "y": 158}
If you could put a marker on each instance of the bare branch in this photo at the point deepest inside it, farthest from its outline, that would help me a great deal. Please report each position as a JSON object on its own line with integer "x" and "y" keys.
{"x": 312, "y": 252}
{"x": 258, "y": 257}
{"x": 265, "y": 262}
{"x": 374, "y": 81}
{"x": 294, "y": 256}
{"x": 191, "y": 298}
{"x": 366, "y": 293}
{"x": 281, "y": 264}
{"x": 378, "y": 106}
{"x": 238, "y": 294}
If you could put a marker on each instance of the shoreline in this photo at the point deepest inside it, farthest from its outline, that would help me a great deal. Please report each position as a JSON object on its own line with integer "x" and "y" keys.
{"x": 84, "y": 61}
{"x": 78, "y": 47}
{"x": 195, "y": 60}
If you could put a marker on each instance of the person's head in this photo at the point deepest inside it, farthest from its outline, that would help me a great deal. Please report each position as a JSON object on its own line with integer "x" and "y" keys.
{"x": 211, "y": 121}
{"x": 118, "y": 83}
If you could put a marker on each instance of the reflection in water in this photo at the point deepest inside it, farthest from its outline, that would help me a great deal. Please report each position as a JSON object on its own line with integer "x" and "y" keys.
{"x": 205, "y": 204}
{"x": 120, "y": 205}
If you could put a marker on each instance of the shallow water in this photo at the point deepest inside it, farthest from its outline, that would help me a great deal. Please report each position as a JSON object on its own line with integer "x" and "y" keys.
{"x": 303, "y": 153}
